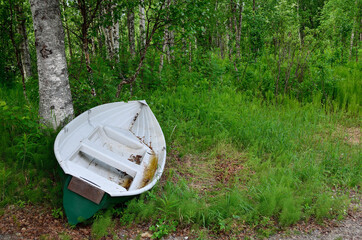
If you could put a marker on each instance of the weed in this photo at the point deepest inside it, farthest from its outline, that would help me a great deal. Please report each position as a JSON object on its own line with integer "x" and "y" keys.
{"x": 163, "y": 228}
{"x": 57, "y": 213}
{"x": 64, "y": 236}
{"x": 102, "y": 225}
{"x": 20, "y": 203}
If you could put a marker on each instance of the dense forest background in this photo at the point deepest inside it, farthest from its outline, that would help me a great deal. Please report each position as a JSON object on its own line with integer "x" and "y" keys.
{"x": 118, "y": 48}
{"x": 273, "y": 86}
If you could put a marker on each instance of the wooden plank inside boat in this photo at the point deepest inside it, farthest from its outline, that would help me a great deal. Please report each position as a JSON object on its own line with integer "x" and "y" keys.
{"x": 85, "y": 190}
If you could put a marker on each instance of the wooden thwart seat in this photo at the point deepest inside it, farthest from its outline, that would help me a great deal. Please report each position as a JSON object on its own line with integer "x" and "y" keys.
{"x": 114, "y": 160}
{"x": 123, "y": 136}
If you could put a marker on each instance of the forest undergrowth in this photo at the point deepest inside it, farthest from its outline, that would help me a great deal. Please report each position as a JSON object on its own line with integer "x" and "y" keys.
{"x": 239, "y": 156}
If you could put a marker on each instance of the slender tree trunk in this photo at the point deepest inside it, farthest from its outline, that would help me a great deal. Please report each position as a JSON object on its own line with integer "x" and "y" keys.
{"x": 238, "y": 31}
{"x": 222, "y": 46}
{"x": 131, "y": 33}
{"x": 113, "y": 33}
{"x": 184, "y": 43}
{"x": 281, "y": 57}
{"x": 99, "y": 40}
{"x": 351, "y": 45}
{"x": 107, "y": 32}
{"x": 229, "y": 39}
{"x": 142, "y": 25}
{"x": 166, "y": 42}
{"x": 116, "y": 40}
{"x": 67, "y": 30}
{"x": 289, "y": 70}
{"x": 171, "y": 42}
{"x": 190, "y": 55}
{"x": 352, "y": 35}
{"x": 164, "y": 48}
{"x": 87, "y": 18}
{"x": 16, "y": 49}
{"x": 149, "y": 34}
{"x": 24, "y": 49}
{"x": 108, "y": 39}
{"x": 55, "y": 99}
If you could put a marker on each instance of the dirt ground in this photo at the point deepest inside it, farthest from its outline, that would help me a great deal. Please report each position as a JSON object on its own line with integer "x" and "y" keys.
{"x": 35, "y": 222}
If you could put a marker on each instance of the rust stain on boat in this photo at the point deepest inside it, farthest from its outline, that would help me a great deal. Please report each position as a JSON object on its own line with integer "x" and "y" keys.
{"x": 150, "y": 170}
{"x": 126, "y": 182}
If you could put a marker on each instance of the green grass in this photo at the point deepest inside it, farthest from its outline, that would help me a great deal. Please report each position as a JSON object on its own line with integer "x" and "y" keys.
{"x": 281, "y": 160}
{"x": 28, "y": 168}
{"x": 295, "y": 158}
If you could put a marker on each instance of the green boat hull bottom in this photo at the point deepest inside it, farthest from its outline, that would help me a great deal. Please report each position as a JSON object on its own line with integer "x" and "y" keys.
{"x": 78, "y": 208}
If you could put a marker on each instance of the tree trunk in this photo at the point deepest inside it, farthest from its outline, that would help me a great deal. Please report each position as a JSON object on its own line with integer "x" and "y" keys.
{"x": 142, "y": 26}
{"x": 351, "y": 46}
{"x": 352, "y": 35}
{"x": 222, "y": 45}
{"x": 115, "y": 35}
{"x": 111, "y": 33}
{"x": 229, "y": 38}
{"x": 131, "y": 33}
{"x": 16, "y": 49}
{"x": 108, "y": 39}
{"x": 24, "y": 49}
{"x": 87, "y": 19}
{"x": 190, "y": 55}
{"x": 166, "y": 42}
{"x": 238, "y": 31}
{"x": 55, "y": 99}
{"x": 67, "y": 30}
{"x": 164, "y": 48}
{"x": 171, "y": 42}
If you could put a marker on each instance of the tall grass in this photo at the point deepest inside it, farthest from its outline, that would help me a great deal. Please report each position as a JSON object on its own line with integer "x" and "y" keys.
{"x": 296, "y": 164}
{"x": 27, "y": 166}
{"x": 294, "y": 170}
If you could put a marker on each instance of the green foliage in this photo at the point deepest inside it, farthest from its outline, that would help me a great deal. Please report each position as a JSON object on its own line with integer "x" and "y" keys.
{"x": 162, "y": 228}
{"x": 28, "y": 166}
{"x": 102, "y": 226}
{"x": 57, "y": 213}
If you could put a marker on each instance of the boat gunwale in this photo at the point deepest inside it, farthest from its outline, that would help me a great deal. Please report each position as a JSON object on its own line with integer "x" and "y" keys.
{"x": 161, "y": 154}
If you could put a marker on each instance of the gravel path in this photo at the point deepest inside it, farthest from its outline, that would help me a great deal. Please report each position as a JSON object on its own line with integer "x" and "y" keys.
{"x": 350, "y": 228}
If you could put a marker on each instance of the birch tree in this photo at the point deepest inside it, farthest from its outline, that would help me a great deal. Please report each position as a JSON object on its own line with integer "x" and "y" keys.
{"x": 24, "y": 45}
{"x": 55, "y": 100}
{"x": 142, "y": 25}
{"x": 131, "y": 32}
{"x": 111, "y": 31}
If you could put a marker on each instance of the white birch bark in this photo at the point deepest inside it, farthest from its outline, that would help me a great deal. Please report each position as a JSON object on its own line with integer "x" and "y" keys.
{"x": 142, "y": 25}
{"x": 111, "y": 33}
{"x": 115, "y": 35}
{"x": 164, "y": 48}
{"x": 23, "y": 47}
{"x": 55, "y": 100}
{"x": 171, "y": 42}
{"x": 351, "y": 45}
{"x": 108, "y": 40}
{"x": 131, "y": 33}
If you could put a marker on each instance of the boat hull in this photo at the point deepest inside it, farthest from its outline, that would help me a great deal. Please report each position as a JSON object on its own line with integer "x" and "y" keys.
{"x": 109, "y": 155}
{"x": 79, "y": 209}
